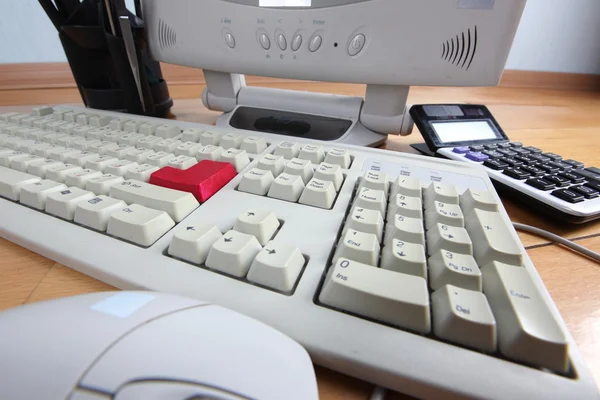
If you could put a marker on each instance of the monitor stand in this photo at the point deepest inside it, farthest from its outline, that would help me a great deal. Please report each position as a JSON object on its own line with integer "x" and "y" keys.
{"x": 335, "y": 118}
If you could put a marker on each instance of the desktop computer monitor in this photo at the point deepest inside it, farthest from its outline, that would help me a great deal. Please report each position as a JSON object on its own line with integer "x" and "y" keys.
{"x": 389, "y": 45}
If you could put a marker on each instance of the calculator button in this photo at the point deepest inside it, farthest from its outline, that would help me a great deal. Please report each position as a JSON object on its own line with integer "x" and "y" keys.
{"x": 559, "y": 181}
{"x": 516, "y": 144}
{"x": 572, "y": 177}
{"x": 540, "y": 184}
{"x": 517, "y": 173}
{"x": 552, "y": 156}
{"x": 526, "y": 159}
{"x": 575, "y": 164}
{"x": 533, "y": 150}
{"x": 560, "y": 165}
{"x": 491, "y": 146}
{"x": 508, "y": 153}
{"x": 591, "y": 173}
{"x": 493, "y": 154}
{"x": 587, "y": 192}
{"x": 548, "y": 168}
{"x": 534, "y": 171}
{"x": 520, "y": 151}
{"x": 495, "y": 164}
{"x": 504, "y": 145}
{"x": 476, "y": 149}
{"x": 511, "y": 161}
{"x": 461, "y": 150}
{"x": 540, "y": 158}
{"x": 568, "y": 195}
{"x": 594, "y": 185}
{"x": 477, "y": 157}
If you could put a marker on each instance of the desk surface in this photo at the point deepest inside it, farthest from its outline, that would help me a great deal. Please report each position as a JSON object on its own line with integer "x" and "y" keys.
{"x": 562, "y": 122}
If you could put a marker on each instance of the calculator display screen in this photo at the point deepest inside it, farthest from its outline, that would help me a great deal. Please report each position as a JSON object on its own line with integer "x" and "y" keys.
{"x": 463, "y": 131}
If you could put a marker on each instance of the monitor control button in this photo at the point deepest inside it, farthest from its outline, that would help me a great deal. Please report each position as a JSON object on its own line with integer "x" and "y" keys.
{"x": 296, "y": 42}
{"x": 356, "y": 44}
{"x": 264, "y": 41}
{"x": 315, "y": 43}
{"x": 230, "y": 40}
{"x": 281, "y": 42}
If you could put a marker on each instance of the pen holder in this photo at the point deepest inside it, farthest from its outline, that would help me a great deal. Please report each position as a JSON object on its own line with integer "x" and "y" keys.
{"x": 104, "y": 76}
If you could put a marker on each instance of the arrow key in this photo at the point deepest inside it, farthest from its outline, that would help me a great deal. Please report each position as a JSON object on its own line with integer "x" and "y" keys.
{"x": 365, "y": 220}
{"x": 404, "y": 257}
{"x": 450, "y": 238}
{"x": 233, "y": 253}
{"x": 260, "y": 223}
{"x": 277, "y": 266}
{"x": 193, "y": 242}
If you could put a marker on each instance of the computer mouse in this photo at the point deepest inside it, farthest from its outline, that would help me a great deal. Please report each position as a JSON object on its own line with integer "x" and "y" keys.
{"x": 146, "y": 345}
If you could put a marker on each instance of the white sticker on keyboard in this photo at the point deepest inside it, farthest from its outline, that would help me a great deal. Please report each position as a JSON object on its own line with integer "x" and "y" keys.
{"x": 426, "y": 175}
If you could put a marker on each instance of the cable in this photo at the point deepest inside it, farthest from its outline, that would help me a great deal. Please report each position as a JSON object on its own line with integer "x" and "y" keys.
{"x": 558, "y": 239}
{"x": 378, "y": 393}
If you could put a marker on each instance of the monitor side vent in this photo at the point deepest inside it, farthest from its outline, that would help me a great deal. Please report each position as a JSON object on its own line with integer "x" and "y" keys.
{"x": 167, "y": 37}
{"x": 460, "y": 50}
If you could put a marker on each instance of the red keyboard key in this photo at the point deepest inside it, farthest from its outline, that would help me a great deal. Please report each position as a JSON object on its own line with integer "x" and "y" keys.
{"x": 202, "y": 180}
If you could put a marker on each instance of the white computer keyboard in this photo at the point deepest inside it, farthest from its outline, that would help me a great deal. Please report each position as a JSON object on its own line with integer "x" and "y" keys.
{"x": 397, "y": 269}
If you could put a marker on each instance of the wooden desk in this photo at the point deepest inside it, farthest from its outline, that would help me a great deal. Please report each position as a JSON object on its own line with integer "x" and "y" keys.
{"x": 563, "y": 122}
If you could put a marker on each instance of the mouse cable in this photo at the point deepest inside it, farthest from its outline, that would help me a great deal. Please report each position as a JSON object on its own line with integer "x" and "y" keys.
{"x": 558, "y": 239}
{"x": 378, "y": 393}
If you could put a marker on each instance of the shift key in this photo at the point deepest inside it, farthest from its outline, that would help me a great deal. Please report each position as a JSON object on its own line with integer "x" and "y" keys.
{"x": 176, "y": 203}
{"x": 527, "y": 329}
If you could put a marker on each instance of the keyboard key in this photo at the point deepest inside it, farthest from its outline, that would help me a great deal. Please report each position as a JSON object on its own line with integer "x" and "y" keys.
{"x": 409, "y": 187}
{"x": 102, "y": 184}
{"x": 7, "y": 159}
{"x": 238, "y": 158}
{"x": 497, "y": 165}
{"x": 301, "y": 168}
{"x": 59, "y": 172}
{"x": 41, "y": 111}
{"x": 121, "y": 167}
{"x": 209, "y": 152}
{"x": 131, "y": 125}
{"x": 95, "y": 212}
{"x": 202, "y": 180}
{"x": 269, "y": 162}
{"x": 161, "y": 131}
{"x": 339, "y": 157}
{"x": 129, "y": 139}
{"x": 527, "y": 330}
{"x": 193, "y": 242}
{"x": 290, "y": 187}
{"x": 260, "y": 223}
{"x": 99, "y": 120}
{"x": 40, "y": 168}
{"x": 448, "y": 268}
{"x": 516, "y": 173}
{"x": 358, "y": 246}
{"x": 406, "y": 258}
{"x": 477, "y": 157}
{"x": 405, "y": 229}
{"x": 559, "y": 181}
{"x": 176, "y": 203}
{"x": 167, "y": 145}
{"x": 12, "y": 181}
{"x": 141, "y": 173}
{"x": 397, "y": 299}
{"x": 568, "y": 195}
{"x": 233, "y": 253}
{"x": 81, "y": 177}
{"x": 449, "y": 238}
{"x": 191, "y": 135}
{"x": 120, "y": 151}
{"x": 404, "y": 205}
{"x": 481, "y": 199}
{"x": 572, "y": 177}
{"x": 456, "y": 311}
{"x": 63, "y": 203}
{"x": 277, "y": 266}
{"x": 97, "y": 133}
{"x": 287, "y": 150}
{"x": 189, "y": 149}
{"x": 365, "y": 220}
{"x": 159, "y": 159}
{"x": 442, "y": 213}
{"x": 256, "y": 181}
{"x": 209, "y": 138}
{"x": 22, "y": 164}
{"x": 253, "y": 145}
{"x": 440, "y": 192}
{"x": 85, "y": 144}
{"x": 139, "y": 155}
{"x": 540, "y": 184}
{"x": 317, "y": 193}
{"x": 492, "y": 239}
{"x": 139, "y": 224}
{"x": 574, "y": 163}
{"x": 586, "y": 191}
{"x": 80, "y": 157}
{"x": 148, "y": 142}
{"x": 313, "y": 153}
{"x": 35, "y": 194}
{"x": 332, "y": 173}
{"x": 371, "y": 199}
{"x": 375, "y": 180}
{"x": 533, "y": 171}
{"x": 230, "y": 141}
{"x": 100, "y": 163}
{"x": 182, "y": 162}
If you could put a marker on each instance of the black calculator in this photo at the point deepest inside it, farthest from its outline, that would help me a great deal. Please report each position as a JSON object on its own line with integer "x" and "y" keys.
{"x": 565, "y": 188}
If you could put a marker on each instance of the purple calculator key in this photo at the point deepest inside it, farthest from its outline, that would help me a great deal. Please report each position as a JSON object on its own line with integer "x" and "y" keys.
{"x": 461, "y": 150}
{"x": 475, "y": 156}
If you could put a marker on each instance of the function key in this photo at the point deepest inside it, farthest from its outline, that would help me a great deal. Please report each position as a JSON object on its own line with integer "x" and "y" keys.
{"x": 559, "y": 181}
{"x": 540, "y": 158}
{"x": 553, "y": 156}
{"x": 495, "y": 164}
{"x": 533, "y": 170}
{"x": 533, "y": 150}
{"x": 491, "y": 146}
{"x": 540, "y": 183}
{"x": 516, "y": 145}
{"x": 504, "y": 145}
{"x": 568, "y": 195}
{"x": 508, "y": 152}
{"x": 461, "y": 150}
{"x": 517, "y": 173}
{"x": 587, "y": 192}
{"x": 476, "y": 156}
{"x": 572, "y": 177}
{"x": 476, "y": 149}
{"x": 575, "y": 164}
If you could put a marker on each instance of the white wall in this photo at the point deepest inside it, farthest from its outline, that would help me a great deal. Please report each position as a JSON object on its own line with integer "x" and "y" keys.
{"x": 555, "y": 35}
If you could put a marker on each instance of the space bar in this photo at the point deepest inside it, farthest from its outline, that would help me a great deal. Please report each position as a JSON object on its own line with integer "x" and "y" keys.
{"x": 176, "y": 203}
{"x": 11, "y": 182}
